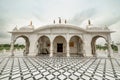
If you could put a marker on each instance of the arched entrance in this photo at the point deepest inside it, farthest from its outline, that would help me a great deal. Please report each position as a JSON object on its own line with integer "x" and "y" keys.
{"x": 59, "y": 46}
{"x": 76, "y": 46}
{"x": 43, "y": 45}
{"x": 26, "y": 42}
{"x": 99, "y": 46}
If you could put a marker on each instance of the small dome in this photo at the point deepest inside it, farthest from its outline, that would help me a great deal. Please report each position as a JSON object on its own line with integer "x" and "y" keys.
{"x": 29, "y": 27}
{"x": 15, "y": 29}
{"x": 90, "y": 26}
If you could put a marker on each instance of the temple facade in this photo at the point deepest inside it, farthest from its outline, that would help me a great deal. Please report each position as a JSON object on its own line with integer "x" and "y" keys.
{"x": 61, "y": 39}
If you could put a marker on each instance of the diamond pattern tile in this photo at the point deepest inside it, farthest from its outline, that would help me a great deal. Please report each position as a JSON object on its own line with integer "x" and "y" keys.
{"x": 59, "y": 68}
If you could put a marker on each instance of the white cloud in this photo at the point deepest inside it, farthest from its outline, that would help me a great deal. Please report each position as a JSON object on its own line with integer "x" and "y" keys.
{"x": 21, "y": 12}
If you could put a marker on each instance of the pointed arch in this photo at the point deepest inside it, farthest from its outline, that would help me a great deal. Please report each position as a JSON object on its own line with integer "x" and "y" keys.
{"x": 43, "y": 45}
{"x": 76, "y": 45}
{"x": 27, "y": 43}
{"x": 93, "y": 44}
{"x": 60, "y": 45}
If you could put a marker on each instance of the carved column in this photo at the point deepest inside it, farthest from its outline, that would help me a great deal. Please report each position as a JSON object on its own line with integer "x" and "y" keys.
{"x": 12, "y": 48}
{"x": 83, "y": 50}
{"x": 51, "y": 48}
{"x": 68, "y": 49}
{"x": 109, "y": 47}
{"x": 118, "y": 45}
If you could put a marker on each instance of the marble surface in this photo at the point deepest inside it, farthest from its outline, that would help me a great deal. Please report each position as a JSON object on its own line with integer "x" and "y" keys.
{"x": 59, "y": 68}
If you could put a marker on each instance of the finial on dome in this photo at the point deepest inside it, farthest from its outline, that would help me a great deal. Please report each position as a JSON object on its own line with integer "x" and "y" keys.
{"x": 59, "y": 20}
{"x": 15, "y": 28}
{"x": 30, "y": 22}
{"x": 54, "y": 21}
{"x": 89, "y": 22}
{"x": 65, "y": 21}
{"x": 31, "y": 25}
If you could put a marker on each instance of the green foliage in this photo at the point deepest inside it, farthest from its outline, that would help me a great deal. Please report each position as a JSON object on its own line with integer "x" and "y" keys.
{"x": 21, "y": 46}
{"x": 7, "y": 46}
{"x": 100, "y": 47}
{"x": 114, "y": 47}
{"x": 105, "y": 47}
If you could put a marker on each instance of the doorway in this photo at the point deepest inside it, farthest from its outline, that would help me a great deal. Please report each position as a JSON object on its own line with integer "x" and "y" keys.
{"x": 59, "y": 47}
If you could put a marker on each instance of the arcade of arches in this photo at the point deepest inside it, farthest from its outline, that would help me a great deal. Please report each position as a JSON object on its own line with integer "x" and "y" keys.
{"x": 59, "y": 46}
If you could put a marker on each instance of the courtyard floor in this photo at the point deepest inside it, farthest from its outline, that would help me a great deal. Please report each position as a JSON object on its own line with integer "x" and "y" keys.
{"x": 59, "y": 68}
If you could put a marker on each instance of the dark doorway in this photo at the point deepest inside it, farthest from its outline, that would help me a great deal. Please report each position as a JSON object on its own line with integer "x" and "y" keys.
{"x": 60, "y": 47}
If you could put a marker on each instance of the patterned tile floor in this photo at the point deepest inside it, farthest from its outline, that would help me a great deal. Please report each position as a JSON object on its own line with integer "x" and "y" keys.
{"x": 59, "y": 68}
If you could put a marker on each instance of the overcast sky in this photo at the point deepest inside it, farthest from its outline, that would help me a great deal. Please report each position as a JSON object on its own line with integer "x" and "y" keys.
{"x": 41, "y": 12}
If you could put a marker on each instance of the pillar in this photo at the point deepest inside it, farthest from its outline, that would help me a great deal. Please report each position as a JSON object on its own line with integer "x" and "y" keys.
{"x": 32, "y": 48}
{"x": 26, "y": 47}
{"x": 87, "y": 48}
{"x": 83, "y": 50}
{"x": 109, "y": 48}
{"x": 51, "y": 48}
{"x": 68, "y": 50}
{"x": 118, "y": 45}
{"x": 12, "y": 48}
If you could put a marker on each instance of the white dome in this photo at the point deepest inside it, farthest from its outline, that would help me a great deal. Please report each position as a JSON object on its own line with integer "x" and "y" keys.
{"x": 27, "y": 28}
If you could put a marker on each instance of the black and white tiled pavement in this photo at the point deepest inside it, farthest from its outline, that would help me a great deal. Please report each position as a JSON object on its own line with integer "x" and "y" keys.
{"x": 59, "y": 68}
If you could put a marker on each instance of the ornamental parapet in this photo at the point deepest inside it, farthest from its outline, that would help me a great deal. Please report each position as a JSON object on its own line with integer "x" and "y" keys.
{"x": 98, "y": 28}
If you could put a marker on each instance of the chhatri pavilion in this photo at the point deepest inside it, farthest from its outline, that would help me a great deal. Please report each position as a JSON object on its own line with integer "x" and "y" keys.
{"x": 61, "y": 38}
